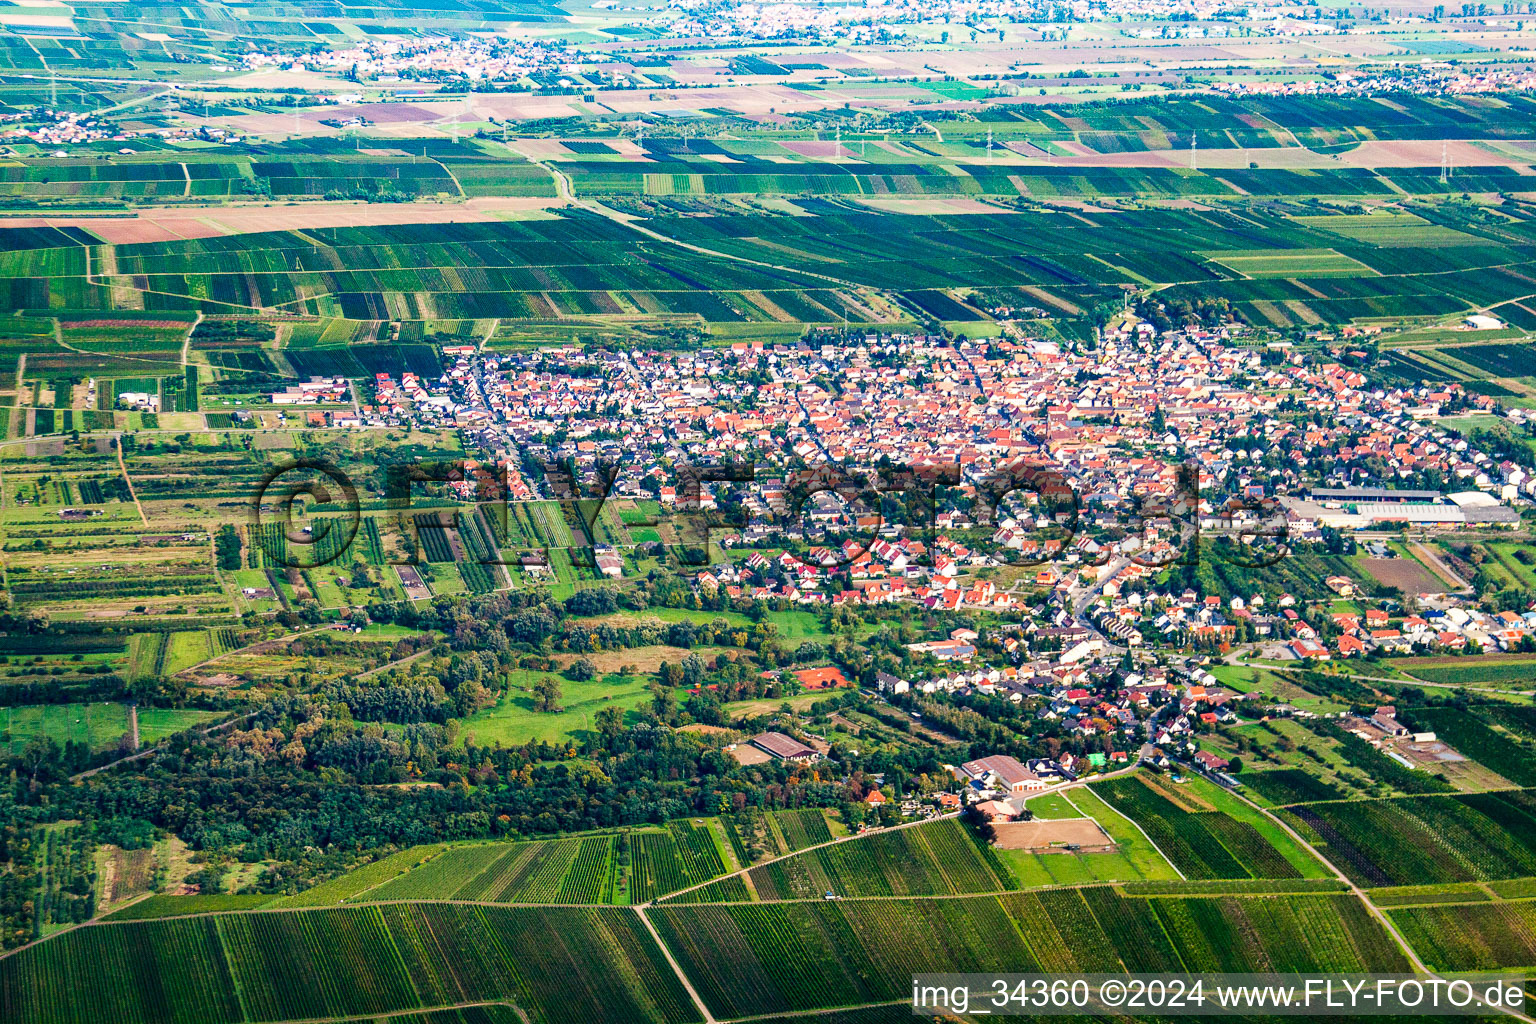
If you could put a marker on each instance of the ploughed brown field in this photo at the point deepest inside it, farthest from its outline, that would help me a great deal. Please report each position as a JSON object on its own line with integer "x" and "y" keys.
{"x": 1405, "y": 574}
{"x": 1043, "y": 836}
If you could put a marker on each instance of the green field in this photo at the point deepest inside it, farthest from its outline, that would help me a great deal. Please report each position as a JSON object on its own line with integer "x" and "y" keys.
{"x": 513, "y": 720}
{"x": 94, "y": 725}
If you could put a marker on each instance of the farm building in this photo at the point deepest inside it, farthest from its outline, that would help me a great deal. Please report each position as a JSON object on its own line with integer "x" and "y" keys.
{"x": 1001, "y": 772}
{"x": 785, "y": 748}
{"x": 995, "y": 810}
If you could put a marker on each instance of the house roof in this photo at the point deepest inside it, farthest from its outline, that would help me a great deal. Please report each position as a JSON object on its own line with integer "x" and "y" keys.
{"x": 780, "y": 745}
{"x": 1009, "y": 769}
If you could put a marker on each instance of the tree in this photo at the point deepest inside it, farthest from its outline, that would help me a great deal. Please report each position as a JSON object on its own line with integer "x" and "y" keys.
{"x": 581, "y": 670}
{"x": 663, "y": 702}
{"x": 610, "y": 722}
{"x": 1235, "y": 765}
{"x": 980, "y": 823}
{"x": 546, "y": 694}
{"x": 226, "y": 544}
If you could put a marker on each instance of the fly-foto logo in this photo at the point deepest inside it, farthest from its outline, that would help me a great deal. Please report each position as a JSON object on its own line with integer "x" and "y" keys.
{"x": 825, "y": 518}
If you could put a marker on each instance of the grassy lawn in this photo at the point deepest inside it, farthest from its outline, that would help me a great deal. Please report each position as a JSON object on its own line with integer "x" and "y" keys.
{"x": 794, "y": 625}
{"x": 97, "y": 725}
{"x": 1247, "y": 678}
{"x": 155, "y": 724}
{"x": 187, "y": 649}
{"x": 513, "y": 721}
{"x": 381, "y": 631}
{"x": 1053, "y": 805}
{"x": 753, "y": 708}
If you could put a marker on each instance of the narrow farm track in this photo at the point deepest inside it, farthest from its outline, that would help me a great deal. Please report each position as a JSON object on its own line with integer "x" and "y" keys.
{"x": 677, "y": 969}
{"x": 392, "y": 664}
{"x": 828, "y": 1011}
{"x": 123, "y": 467}
{"x": 186, "y": 342}
{"x": 819, "y": 846}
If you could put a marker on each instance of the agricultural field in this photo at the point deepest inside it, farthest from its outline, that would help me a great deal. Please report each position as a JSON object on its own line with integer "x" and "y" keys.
{"x": 356, "y": 884}
{"x": 1404, "y": 572}
{"x": 931, "y": 859}
{"x": 1424, "y": 840}
{"x": 1498, "y": 737}
{"x": 1206, "y": 833}
{"x": 579, "y": 265}
{"x": 748, "y": 959}
{"x": 1481, "y": 936}
{"x": 557, "y": 963}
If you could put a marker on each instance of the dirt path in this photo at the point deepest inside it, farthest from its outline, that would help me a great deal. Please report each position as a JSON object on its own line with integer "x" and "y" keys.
{"x": 1424, "y": 553}
{"x": 123, "y": 466}
{"x": 677, "y": 969}
{"x": 186, "y": 342}
{"x": 392, "y": 664}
